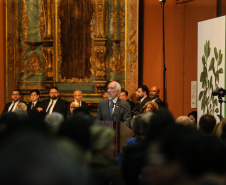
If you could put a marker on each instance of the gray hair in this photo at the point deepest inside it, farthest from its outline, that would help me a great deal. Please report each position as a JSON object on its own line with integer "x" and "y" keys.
{"x": 118, "y": 86}
{"x": 54, "y": 120}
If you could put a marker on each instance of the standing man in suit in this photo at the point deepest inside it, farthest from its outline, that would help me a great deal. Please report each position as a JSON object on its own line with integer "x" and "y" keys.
{"x": 154, "y": 96}
{"x": 11, "y": 106}
{"x": 142, "y": 95}
{"x": 54, "y": 103}
{"x": 114, "y": 109}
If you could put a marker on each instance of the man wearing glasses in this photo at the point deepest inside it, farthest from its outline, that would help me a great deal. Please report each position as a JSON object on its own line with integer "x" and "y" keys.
{"x": 11, "y": 106}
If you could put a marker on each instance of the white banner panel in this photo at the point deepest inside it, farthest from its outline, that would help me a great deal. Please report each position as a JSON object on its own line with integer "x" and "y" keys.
{"x": 211, "y": 66}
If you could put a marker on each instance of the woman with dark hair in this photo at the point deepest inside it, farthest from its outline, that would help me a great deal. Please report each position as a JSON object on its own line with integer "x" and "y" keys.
{"x": 193, "y": 116}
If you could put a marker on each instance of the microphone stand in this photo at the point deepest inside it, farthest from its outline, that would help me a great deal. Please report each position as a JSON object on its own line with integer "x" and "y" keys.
{"x": 119, "y": 105}
{"x": 220, "y": 101}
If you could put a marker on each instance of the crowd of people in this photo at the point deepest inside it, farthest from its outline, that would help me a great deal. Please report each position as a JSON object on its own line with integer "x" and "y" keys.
{"x": 53, "y": 142}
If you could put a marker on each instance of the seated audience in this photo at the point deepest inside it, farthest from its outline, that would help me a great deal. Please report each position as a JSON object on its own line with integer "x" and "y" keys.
{"x": 220, "y": 131}
{"x": 207, "y": 123}
{"x": 150, "y": 107}
{"x": 11, "y": 106}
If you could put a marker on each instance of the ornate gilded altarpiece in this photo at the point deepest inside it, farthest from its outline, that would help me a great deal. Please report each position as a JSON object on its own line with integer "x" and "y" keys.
{"x": 71, "y": 44}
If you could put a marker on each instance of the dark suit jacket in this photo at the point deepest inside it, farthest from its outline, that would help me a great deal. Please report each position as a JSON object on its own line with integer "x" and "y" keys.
{"x": 60, "y": 106}
{"x": 121, "y": 112}
{"x": 38, "y": 104}
{"x": 160, "y": 103}
{"x": 83, "y": 104}
{"x": 139, "y": 106}
{"x": 7, "y": 107}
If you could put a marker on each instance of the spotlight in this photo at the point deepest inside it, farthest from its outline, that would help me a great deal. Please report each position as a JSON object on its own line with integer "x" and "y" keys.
{"x": 162, "y": 1}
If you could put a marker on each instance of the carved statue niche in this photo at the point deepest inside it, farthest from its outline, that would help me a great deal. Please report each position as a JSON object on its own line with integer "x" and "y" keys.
{"x": 75, "y": 17}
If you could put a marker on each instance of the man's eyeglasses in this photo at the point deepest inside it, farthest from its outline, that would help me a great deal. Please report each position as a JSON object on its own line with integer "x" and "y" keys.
{"x": 15, "y": 94}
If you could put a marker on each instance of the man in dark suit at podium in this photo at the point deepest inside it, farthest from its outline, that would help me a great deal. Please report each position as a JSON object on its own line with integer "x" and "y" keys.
{"x": 114, "y": 109}
{"x": 11, "y": 106}
{"x": 54, "y": 103}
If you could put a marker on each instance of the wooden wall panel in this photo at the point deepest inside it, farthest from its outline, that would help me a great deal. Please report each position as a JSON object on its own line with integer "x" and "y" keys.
{"x": 2, "y": 57}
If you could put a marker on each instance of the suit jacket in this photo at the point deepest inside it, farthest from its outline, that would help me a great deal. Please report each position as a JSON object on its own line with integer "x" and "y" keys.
{"x": 60, "y": 106}
{"x": 38, "y": 104}
{"x": 121, "y": 112}
{"x": 7, "y": 106}
{"x": 159, "y": 102}
{"x": 139, "y": 106}
{"x": 83, "y": 104}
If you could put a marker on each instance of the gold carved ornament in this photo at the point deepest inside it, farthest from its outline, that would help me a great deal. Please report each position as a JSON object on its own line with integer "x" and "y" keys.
{"x": 117, "y": 62}
{"x": 24, "y": 19}
{"x": 100, "y": 66}
{"x": 114, "y": 17}
{"x": 32, "y": 66}
{"x": 132, "y": 50}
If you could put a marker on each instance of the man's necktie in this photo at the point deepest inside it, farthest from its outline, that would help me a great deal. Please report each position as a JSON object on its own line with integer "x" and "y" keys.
{"x": 111, "y": 108}
{"x": 49, "y": 108}
{"x": 12, "y": 107}
{"x": 33, "y": 106}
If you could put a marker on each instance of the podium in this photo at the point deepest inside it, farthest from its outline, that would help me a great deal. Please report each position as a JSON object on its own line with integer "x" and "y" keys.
{"x": 122, "y": 134}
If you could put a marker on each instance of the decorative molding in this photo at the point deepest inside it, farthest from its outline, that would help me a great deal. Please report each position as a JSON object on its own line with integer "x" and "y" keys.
{"x": 117, "y": 61}
{"x": 114, "y": 17}
{"x": 32, "y": 66}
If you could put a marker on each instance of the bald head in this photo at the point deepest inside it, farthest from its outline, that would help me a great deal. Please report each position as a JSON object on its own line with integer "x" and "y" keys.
{"x": 154, "y": 92}
{"x": 78, "y": 95}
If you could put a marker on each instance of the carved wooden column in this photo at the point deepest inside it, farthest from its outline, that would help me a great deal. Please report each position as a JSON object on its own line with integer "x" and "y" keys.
{"x": 47, "y": 34}
{"x": 100, "y": 44}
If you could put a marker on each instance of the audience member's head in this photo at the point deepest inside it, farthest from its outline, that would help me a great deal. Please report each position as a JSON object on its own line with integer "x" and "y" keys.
{"x": 84, "y": 110}
{"x": 136, "y": 126}
{"x": 54, "y": 121}
{"x": 54, "y": 93}
{"x": 154, "y": 92}
{"x": 102, "y": 141}
{"x": 159, "y": 123}
{"x": 73, "y": 106}
{"x": 207, "y": 123}
{"x": 15, "y": 95}
{"x": 22, "y": 105}
{"x": 150, "y": 107}
{"x": 78, "y": 95}
{"x": 124, "y": 95}
{"x": 34, "y": 95}
{"x": 185, "y": 120}
{"x": 105, "y": 95}
{"x": 142, "y": 91}
{"x": 77, "y": 128}
{"x": 220, "y": 130}
{"x": 193, "y": 116}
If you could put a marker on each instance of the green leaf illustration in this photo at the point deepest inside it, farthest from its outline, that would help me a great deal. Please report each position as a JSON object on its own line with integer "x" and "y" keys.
{"x": 220, "y": 70}
{"x": 211, "y": 64}
{"x": 203, "y": 60}
{"x": 216, "y": 110}
{"x": 215, "y": 53}
{"x": 200, "y": 95}
{"x": 220, "y": 58}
